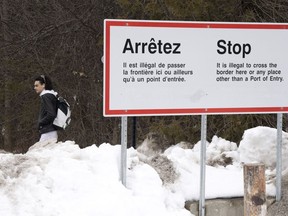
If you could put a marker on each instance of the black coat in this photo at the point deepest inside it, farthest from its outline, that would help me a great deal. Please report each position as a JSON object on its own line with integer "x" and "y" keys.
{"x": 48, "y": 112}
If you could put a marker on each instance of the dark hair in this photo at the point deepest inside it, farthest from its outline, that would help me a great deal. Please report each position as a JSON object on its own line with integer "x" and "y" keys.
{"x": 45, "y": 79}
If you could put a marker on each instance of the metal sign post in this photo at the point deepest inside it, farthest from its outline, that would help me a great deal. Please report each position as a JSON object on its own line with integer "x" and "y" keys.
{"x": 203, "y": 165}
{"x": 123, "y": 149}
{"x": 279, "y": 156}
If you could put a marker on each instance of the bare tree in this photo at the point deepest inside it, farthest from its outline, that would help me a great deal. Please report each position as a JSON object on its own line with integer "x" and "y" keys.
{"x": 64, "y": 40}
{"x": 7, "y": 126}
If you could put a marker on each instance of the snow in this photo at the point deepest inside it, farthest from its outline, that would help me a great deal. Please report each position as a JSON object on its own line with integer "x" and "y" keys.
{"x": 59, "y": 179}
{"x": 259, "y": 145}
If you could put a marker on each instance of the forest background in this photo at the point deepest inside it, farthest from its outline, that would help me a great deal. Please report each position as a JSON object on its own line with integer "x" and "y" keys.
{"x": 64, "y": 40}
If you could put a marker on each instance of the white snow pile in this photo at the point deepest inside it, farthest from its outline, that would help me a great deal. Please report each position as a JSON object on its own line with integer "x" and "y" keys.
{"x": 60, "y": 179}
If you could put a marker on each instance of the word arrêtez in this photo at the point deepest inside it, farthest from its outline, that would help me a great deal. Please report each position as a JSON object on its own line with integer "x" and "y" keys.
{"x": 151, "y": 47}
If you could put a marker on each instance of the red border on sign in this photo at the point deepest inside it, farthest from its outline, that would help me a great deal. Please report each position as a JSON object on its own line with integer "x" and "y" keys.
{"x": 179, "y": 111}
{"x": 151, "y": 112}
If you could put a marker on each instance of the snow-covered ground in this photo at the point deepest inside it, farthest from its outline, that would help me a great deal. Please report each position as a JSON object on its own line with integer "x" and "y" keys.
{"x": 60, "y": 179}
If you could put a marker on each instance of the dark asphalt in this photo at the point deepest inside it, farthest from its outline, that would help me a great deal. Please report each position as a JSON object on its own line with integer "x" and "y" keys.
{"x": 280, "y": 208}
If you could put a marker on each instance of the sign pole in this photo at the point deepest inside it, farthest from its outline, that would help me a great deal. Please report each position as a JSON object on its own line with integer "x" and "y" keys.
{"x": 279, "y": 156}
{"x": 123, "y": 149}
{"x": 203, "y": 165}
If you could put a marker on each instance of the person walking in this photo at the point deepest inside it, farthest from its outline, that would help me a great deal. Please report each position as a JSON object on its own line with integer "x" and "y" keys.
{"x": 48, "y": 110}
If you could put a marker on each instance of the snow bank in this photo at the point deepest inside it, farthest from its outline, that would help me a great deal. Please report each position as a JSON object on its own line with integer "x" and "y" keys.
{"x": 62, "y": 179}
{"x": 260, "y": 145}
{"x": 59, "y": 179}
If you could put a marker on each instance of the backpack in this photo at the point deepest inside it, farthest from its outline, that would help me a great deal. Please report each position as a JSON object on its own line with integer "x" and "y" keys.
{"x": 63, "y": 117}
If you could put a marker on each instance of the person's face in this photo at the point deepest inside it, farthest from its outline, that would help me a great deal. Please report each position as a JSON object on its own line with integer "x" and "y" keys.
{"x": 38, "y": 87}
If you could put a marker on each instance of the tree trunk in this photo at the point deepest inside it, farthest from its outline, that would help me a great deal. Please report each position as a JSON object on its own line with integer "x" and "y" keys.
{"x": 7, "y": 79}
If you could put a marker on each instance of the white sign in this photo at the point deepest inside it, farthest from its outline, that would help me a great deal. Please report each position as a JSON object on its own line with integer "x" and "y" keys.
{"x": 184, "y": 68}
